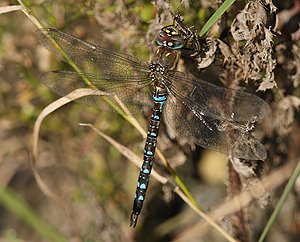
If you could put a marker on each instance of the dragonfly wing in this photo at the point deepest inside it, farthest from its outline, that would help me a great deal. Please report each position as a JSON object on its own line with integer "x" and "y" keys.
{"x": 215, "y": 101}
{"x": 119, "y": 74}
{"x": 90, "y": 58}
{"x": 206, "y": 114}
{"x": 134, "y": 94}
{"x": 211, "y": 133}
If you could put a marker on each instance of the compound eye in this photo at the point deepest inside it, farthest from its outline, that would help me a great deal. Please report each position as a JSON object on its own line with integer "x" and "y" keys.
{"x": 161, "y": 38}
{"x": 175, "y": 43}
{"x": 170, "y": 38}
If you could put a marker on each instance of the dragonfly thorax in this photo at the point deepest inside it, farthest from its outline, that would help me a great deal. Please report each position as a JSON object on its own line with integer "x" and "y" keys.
{"x": 164, "y": 59}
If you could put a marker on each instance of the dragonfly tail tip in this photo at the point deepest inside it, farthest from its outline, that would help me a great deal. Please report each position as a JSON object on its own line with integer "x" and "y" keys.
{"x": 133, "y": 219}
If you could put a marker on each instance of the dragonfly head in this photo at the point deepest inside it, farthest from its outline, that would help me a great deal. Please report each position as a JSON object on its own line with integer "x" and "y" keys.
{"x": 170, "y": 37}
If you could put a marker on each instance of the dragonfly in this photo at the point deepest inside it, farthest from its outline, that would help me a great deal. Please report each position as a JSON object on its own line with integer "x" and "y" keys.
{"x": 210, "y": 116}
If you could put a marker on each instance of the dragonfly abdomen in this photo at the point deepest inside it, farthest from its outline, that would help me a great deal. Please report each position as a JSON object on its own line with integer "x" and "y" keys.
{"x": 159, "y": 97}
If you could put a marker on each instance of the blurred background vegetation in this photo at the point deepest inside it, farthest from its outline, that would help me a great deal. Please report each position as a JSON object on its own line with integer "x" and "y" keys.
{"x": 94, "y": 180}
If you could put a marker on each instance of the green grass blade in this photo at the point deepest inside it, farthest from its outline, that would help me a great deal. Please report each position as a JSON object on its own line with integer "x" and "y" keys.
{"x": 216, "y": 16}
{"x": 19, "y": 208}
{"x": 280, "y": 202}
{"x": 182, "y": 186}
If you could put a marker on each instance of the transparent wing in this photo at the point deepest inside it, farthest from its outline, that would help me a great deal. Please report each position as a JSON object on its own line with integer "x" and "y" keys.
{"x": 206, "y": 114}
{"x": 115, "y": 73}
{"x": 214, "y": 101}
{"x": 90, "y": 58}
{"x": 210, "y": 133}
{"x": 134, "y": 95}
